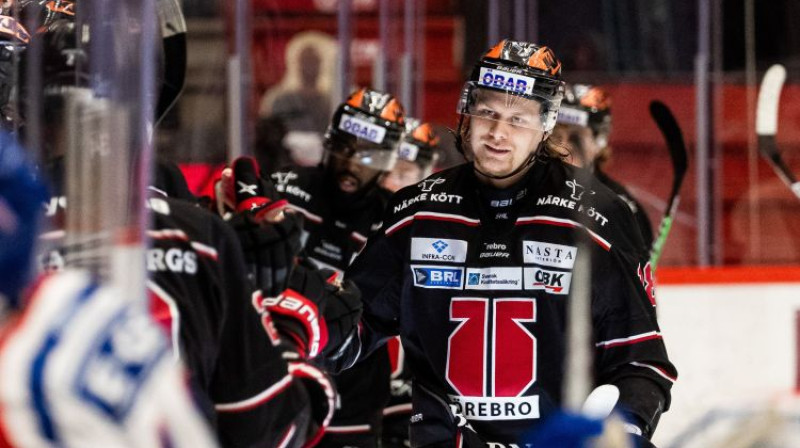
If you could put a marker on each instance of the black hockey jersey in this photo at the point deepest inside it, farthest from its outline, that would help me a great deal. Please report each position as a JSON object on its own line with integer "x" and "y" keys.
{"x": 200, "y": 294}
{"x": 639, "y": 213}
{"x": 477, "y": 289}
{"x": 336, "y": 228}
{"x": 336, "y": 225}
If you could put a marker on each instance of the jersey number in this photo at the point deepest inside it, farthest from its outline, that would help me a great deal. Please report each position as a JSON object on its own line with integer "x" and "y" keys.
{"x": 491, "y": 348}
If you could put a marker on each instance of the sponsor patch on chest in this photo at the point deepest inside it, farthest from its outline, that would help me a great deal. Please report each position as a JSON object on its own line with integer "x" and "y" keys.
{"x": 505, "y": 278}
{"x": 437, "y": 277}
{"x": 438, "y": 249}
{"x": 549, "y": 254}
{"x": 553, "y": 282}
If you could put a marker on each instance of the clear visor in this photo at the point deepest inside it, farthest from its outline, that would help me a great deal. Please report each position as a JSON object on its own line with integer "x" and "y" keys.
{"x": 366, "y": 154}
{"x": 521, "y": 110}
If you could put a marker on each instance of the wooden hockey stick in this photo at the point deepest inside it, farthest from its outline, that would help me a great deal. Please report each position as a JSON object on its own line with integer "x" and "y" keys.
{"x": 767, "y": 125}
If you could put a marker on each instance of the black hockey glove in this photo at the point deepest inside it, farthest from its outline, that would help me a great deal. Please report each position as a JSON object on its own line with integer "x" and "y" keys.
{"x": 270, "y": 239}
{"x": 310, "y": 289}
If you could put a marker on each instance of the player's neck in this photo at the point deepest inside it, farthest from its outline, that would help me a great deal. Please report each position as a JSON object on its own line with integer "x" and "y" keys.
{"x": 505, "y": 183}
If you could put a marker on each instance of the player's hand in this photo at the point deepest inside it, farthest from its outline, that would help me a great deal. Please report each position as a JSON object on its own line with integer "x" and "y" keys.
{"x": 244, "y": 190}
{"x": 339, "y": 306}
{"x": 269, "y": 237}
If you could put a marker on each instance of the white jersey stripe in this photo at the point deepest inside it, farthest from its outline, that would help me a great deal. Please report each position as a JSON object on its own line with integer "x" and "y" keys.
{"x": 660, "y": 372}
{"x": 351, "y": 429}
{"x": 250, "y": 403}
{"x": 202, "y": 249}
{"x": 168, "y": 234}
{"x": 397, "y": 409}
{"x": 434, "y": 216}
{"x": 312, "y": 217}
{"x": 629, "y": 340}
{"x": 287, "y": 437}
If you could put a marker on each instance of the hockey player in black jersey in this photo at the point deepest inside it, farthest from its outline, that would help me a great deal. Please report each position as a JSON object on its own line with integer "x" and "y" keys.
{"x": 473, "y": 268}
{"x": 340, "y": 199}
{"x": 343, "y": 204}
{"x": 584, "y": 125}
{"x": 416, "y": 157}
{"x": 248, "y": 367}
{"x": 416, "y": 160}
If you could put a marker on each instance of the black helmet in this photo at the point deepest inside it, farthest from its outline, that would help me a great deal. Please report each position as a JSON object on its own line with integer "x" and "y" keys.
{"x": 588, "y": 106}
{"x": 521, "y": 69}
{"x": 65, "y": 55}
{"x": 370, "y": 126}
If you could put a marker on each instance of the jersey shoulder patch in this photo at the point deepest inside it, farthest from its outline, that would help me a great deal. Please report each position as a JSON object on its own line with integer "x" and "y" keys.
{"x": 439, "y": 192}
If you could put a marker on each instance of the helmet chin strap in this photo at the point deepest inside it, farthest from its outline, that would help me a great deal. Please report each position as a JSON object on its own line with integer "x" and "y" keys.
{"x": 529, "y": 161}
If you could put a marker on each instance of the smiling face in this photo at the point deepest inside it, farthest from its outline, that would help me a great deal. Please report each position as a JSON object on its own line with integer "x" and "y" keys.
{"x": 503, "y": 132}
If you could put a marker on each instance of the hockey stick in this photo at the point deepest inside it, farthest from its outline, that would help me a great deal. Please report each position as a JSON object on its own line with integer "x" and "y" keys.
{"x": 677, "y": 152}
{"x": 767, "y": 125}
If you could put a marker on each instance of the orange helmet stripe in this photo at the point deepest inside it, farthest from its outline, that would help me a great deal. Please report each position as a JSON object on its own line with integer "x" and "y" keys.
{"x": 65, "y": 7}
{"x": 495, "y": 51}
{"x": 596, "y": 98}
{"x": 425, "y": 134}
{"x": 545, "y": 60}
{"x": 393, "y": 112}
{"x": 357, "y": 98}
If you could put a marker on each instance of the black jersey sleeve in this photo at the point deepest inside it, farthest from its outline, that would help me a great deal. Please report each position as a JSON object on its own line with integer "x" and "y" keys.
{"x": 235, "y": 356}
{"x": 629, "y": 349}
{"x": 378, "y": 273}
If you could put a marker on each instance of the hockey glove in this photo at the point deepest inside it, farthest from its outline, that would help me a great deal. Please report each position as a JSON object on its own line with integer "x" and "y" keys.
{"x": 339, "y": 307}
{"x": 270, "y": 239}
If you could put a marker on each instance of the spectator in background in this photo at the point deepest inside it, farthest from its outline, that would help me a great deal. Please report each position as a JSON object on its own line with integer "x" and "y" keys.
{"x": 302, "y": 100}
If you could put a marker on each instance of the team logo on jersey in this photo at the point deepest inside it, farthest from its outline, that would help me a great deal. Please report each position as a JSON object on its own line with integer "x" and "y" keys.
{"x": 578, "y": 190}
{"x": 172, "y": 260}
{"x": 428, "y": 184}
{"x": 247, "y": 188}
{"x": 496, "y": 408}
{"x": 549, "y": 254}
{"x": 438, "y": 277}
{"x": 494, "y": 278}
{"x": 494, "y": 250}
{"x": 554, "y": 282}
{"x": 284, "y": 178}
{"x": 438, "y": 249}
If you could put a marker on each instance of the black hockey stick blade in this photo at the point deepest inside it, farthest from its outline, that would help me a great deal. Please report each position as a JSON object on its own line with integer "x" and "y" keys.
{"x": 677, "y": 152}
{"x": 675, "y": 144}
{"x": 769, "y": 96}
